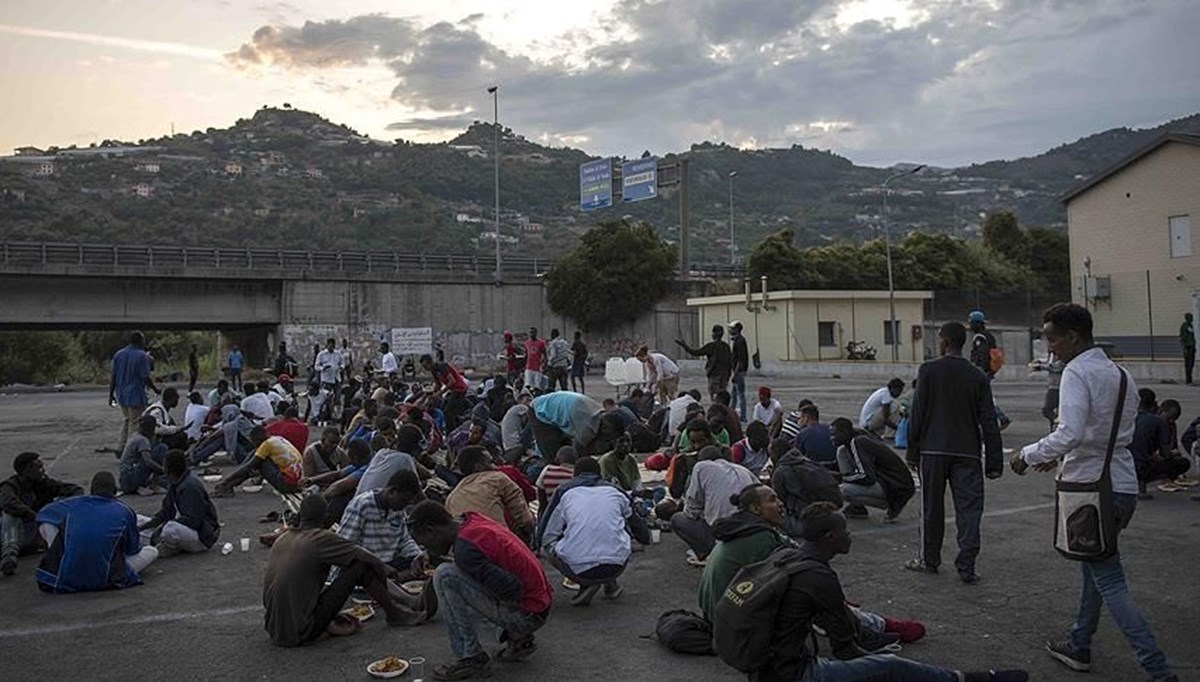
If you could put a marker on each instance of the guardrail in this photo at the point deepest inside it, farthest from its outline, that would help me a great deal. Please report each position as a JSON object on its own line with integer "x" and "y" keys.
{"x": 32, "y": 255}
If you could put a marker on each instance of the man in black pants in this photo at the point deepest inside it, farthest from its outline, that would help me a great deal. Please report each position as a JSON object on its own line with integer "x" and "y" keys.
{"x": 951, "y": 420}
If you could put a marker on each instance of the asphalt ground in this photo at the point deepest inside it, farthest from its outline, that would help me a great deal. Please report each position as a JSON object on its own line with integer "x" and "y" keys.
{"x": 200, "y": 617}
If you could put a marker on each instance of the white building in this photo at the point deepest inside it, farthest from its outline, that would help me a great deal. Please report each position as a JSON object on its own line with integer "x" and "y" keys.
{"x": 143, "y": 190}
{"x": 148, "y": 167}
{"x": 44, "y": 169}
{"x": 233, "y": 168}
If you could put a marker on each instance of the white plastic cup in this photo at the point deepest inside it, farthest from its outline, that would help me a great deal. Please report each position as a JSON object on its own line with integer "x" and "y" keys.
{"x": 416, "y": 668}
{"x": 655, "y": 536}
{"x": 245, "y": 544}
{"x": 227, "y": 548}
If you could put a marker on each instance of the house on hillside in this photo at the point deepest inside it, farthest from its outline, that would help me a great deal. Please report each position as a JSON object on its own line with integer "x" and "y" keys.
{"x": 1133, "y": 260}
{"x": 43, "y": 169}
{"x": 29, "y": 151}
{"x": 233, "y": 168}
{"x": 147, "y": 168}
{"x": 314, "y": 173}
{"x": 143, "y": 190}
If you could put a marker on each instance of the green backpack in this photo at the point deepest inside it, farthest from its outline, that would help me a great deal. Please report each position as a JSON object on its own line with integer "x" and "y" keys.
{"x": 744, "y": 618}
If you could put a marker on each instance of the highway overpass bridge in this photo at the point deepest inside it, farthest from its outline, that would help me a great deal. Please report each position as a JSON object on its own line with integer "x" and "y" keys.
{"x": 258, "y": 296}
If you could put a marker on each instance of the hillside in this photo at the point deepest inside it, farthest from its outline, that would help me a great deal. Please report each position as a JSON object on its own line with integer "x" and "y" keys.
{"x": 291, "y": 179}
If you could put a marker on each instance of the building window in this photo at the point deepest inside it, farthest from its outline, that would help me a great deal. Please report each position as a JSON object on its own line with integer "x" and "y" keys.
{"x": 1181, "y": 236}
{"x": 890, "y": 333}
{"x": 826, "y": 334}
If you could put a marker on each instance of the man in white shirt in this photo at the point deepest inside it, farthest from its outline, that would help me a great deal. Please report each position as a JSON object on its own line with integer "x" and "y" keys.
{"x": 877, "y": 413}
{"x": 329, "y": 371}
{"x": 1078, "y": 448}
{"x": 387, "y": 360}
{"x": 767, "y": 410}
{"x": 585, "y": 536}
{"x": 194, "y": 415}
{"x": 661, "y": 372}
{"x": 677, "y": 414}
{"x": 257, "y": 404}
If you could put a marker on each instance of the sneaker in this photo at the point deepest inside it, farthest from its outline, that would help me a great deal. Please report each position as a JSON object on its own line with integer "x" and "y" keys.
{"x": 517, "y": 649}
{"x": 855, "y": 511}
{"x": 166, "y": 548}
{"x": 1079, "y": 661}
{"x": 585, "y": 595}
{"x": 613, "y": 590}
{"x": 1186, "y": 482}
{"x": 969, "y": 577}
{"x": 466, "y": 669}
{"x": 570, "y": 585}
{"x": 144, "y": 491}
{"x": 1169, "y": 487}
{"x": 8, "y": 565}
{"x": 878, "y": 641}
{"x": 916, "y": 565}
{"x": 909, "y": 630}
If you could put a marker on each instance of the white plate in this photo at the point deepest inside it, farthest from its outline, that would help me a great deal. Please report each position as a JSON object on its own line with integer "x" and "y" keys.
{"x": 251, "y": 488}
{"x": 396, "y": 673}
{"x": 212, "y": 478}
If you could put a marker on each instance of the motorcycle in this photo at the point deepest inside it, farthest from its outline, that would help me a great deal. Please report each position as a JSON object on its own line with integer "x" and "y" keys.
{"x": 859, "y": 350}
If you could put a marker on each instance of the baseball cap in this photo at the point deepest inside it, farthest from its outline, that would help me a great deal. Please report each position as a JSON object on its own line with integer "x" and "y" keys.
{"x": 285, "y": 378}
{"x": 734, "y": 324}
{"x": 976, "y": 316}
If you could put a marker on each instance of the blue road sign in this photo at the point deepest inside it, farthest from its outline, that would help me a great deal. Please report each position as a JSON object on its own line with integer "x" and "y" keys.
{"x": 595, "y": 185}
{"x": 639, "y": 179}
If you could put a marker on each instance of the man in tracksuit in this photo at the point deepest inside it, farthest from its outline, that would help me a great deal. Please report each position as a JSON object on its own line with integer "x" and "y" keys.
{"x": 952, "y": 419}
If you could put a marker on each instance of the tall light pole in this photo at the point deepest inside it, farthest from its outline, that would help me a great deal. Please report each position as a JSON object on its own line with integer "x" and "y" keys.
{"x": 887, "y": 240}
{"x": 495, "y": 92}
{"x": 732, "y": 246}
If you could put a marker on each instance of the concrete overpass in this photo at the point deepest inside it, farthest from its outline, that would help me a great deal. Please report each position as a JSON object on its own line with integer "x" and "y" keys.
{"x": 257, "y": 296}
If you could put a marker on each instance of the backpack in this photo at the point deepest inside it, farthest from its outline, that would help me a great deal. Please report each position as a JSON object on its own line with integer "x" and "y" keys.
{"x": 994, "y": 356}
{"x": 744, "y": 618}
{"x": 684, "y": 632}
{"x": 996, "y": 359}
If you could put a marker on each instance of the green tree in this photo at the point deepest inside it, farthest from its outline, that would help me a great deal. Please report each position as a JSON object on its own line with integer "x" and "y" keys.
{"x": 1002, "y": 234}
{"x": 1050, "y": 260}
{"x": 618, "y": 272}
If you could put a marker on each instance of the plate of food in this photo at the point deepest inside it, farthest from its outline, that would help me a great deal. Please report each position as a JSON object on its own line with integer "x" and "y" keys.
{"x": 360, "y": 612}
{"x": 387, "y": 668}
{"x": 212, "y": 478}
{"x": 413, "y": 586}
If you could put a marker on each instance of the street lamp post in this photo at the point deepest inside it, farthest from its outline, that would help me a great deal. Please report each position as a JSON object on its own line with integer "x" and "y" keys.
{"x": 887, "y": 240}
{"x": 495, "y": 92}
{"x": 732, "y": 246}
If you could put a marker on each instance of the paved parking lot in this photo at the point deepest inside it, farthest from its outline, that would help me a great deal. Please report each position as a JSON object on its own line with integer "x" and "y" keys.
{"x": 200, "y": 617}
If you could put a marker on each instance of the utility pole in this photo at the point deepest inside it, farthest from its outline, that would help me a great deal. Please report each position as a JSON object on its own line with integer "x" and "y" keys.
{"x": 887, "y": 239}
{"x": 495, "y": 91}
{"x": 685, "y": 220}
{"x": 732, "y": 247}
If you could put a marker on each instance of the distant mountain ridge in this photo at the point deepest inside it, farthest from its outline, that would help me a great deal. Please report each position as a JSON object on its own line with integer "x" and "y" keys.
{"x": 293, "y": 179}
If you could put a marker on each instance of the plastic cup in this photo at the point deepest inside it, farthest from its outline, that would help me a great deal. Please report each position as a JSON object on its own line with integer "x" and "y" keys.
{"x": 655, "y": 536}
{"x": 245, "y": 544}
{"x": 416, "y": 668}
{"x": 227, "y": 548}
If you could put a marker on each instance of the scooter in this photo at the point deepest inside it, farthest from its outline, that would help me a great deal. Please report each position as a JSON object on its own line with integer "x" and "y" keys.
{"x": 859, "y": 350}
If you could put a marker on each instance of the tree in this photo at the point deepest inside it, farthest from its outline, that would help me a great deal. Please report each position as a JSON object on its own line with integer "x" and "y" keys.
{"x": 1002, "y": 234}
{"x": 618, "y": 272}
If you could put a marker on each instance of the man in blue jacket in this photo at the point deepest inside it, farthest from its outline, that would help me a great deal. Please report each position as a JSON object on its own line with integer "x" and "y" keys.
{"x": 93, "y": 542}
{"x": 187, "y": 518}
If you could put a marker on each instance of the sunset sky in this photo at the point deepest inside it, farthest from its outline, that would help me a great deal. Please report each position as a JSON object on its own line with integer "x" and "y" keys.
{"x": 945, "y": 82}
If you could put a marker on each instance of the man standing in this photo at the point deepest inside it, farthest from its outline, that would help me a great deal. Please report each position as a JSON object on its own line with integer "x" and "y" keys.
{"x": 131, "y": 368}
{"x": 718, "y": 360}
{"x": 22, "y": 496}
{"x": 236, "y": 362}
{"x": 92, "y": 542}
{"x": 741, "y": 364}
{"x": 1187, "y": 339}
{"x": 347, "y": 362}
{"x": 387, "y": 360}
{"x": 535, "y": 354}
{"x": 193, "y": 368}
{"x": 514, "y": 360}
{"x": 662, "y": 374}
{"x": 952, "y": 420}
{"x": 558, "y": 361}
{"x": 983, "y": 346}
{"x": 1079, "y": 448}
{"x": 579, "y": 356}
{"x": 329, "y": 369}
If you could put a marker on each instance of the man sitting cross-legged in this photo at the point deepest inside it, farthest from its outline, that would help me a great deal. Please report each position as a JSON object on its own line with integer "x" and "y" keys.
{"x": 585, "y": 537}
{"x": 493, "y": 577}
{"x": 187, "y": 518}
{"x": 275, "y": 459}
{"x": 299, "y": 605}
{"x": 92, "y": 542}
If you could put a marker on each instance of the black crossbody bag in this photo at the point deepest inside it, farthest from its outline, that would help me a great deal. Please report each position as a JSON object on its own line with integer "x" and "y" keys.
{"x": 1085, "y": 526}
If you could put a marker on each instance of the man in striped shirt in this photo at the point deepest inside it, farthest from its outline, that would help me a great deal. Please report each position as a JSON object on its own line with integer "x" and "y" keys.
{"x": 375, "y": 520}
{"x": 554, "y": 475}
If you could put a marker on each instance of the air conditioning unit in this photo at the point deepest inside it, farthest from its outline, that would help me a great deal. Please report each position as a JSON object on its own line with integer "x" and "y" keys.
{"x": 1099, "y": 287}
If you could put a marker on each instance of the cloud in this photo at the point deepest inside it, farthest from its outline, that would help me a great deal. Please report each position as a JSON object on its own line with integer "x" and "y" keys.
{"x": 177, "y": 49}
{"x": 945, "y": 81}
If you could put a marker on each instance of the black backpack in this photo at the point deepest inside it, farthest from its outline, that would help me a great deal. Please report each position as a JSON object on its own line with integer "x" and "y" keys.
{"x": 745, "y": 615}
{"x": 684, "y": 632}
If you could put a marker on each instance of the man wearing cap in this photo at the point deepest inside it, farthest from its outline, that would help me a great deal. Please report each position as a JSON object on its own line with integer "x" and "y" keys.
{"x": 741, "y": 364}
{"x": 718, "y": 360}
{"x": 982, "y": 344}
{"x": 22, "y": 496}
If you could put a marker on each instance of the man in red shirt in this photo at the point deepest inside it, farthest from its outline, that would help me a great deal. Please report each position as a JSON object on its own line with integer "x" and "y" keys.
{"x": 291, "y": 428}
{"x": 514, "y": 358}
{"x": 493, "y": 577}
{"x": 535, "y": 355}
{"x": 450, "y": 384}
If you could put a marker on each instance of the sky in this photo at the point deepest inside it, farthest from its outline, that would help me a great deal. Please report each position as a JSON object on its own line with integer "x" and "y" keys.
{"x": 944, "y": 82}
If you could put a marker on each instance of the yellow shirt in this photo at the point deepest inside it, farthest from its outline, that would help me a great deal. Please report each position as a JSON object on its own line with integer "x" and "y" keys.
{"x": 284, "y": 456}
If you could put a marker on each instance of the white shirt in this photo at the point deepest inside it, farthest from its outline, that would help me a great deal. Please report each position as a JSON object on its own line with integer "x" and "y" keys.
{"x": 875, "y": 403}
{"x": 661, "y": 367}
{"x": 194, "y": 417}
{"x": 678, "y": 410}
{"x": 588, "y": 524}
{"x": 710, "y": 485}
{"x": 1087, "y": 398}
{"x": 388, "y": 363}
{"x": 766, "y": 413}
{"x": 329, "y": 364}
{"x": 258, "y": 405}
